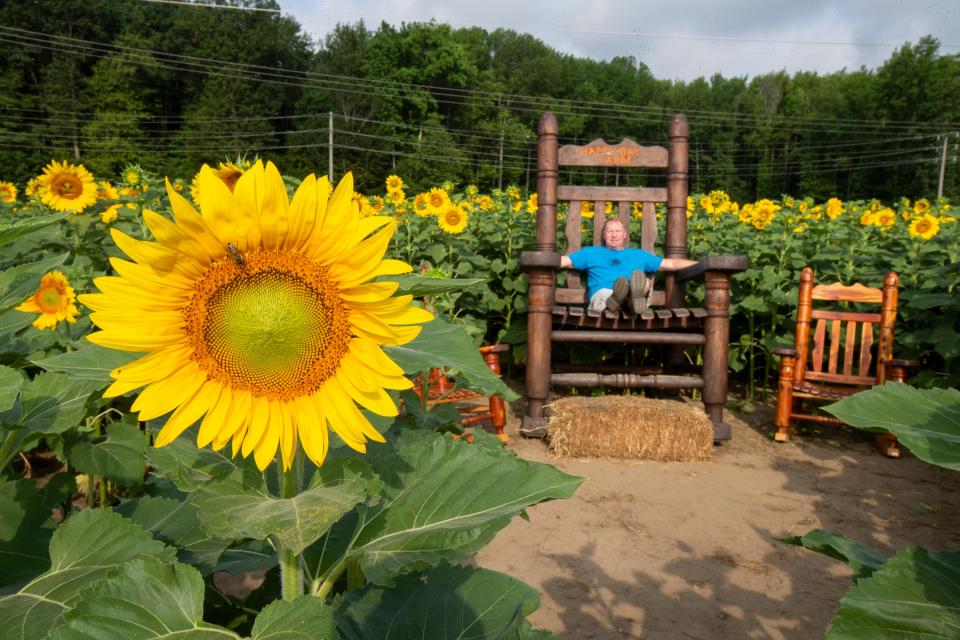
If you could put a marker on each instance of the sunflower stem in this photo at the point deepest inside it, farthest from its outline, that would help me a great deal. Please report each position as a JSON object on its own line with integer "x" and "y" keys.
{"x": 291, "y": 577}
{"x": 91, "y": 490}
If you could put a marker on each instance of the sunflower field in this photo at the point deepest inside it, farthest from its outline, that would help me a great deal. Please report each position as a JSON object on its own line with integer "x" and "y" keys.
{"x": 216, "y": 377}
{"x": 450, "y": 232}
{"x": 213, "y": 376}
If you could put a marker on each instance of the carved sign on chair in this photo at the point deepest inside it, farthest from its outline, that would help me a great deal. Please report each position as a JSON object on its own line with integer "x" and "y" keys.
{"x": 849, "y": 350}
{"x": 557, "y": 314}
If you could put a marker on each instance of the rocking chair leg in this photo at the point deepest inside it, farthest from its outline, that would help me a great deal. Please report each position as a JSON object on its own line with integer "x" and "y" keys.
{"x": 785, "y": 398}
{"x": 888, "y": 445}
{"x": 534, "y": 423}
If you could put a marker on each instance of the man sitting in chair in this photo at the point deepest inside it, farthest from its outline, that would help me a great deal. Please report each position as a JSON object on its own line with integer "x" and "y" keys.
{"x": 616, "y": 272}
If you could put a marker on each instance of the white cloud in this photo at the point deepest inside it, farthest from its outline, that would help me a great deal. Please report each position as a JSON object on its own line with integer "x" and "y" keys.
{"x": 584, "y": 29}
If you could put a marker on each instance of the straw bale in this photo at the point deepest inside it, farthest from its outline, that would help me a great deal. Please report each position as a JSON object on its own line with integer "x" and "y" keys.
{"x": 629, "y": 427}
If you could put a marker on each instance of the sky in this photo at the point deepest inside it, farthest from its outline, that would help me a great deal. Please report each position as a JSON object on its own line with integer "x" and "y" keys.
{"x": 680, "y": 40}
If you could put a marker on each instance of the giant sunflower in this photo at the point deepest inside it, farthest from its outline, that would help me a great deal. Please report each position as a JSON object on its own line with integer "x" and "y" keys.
{"x": 54, "y": 300}
{"x": 8, "y": 192}
{"x": 453, "y": 219}
{"x": 67, "y": 187}
{"x": 257, "y": 316}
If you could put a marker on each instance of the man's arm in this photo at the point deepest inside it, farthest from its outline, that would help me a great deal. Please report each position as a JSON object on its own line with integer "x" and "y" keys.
{"x": 671, "y": 264}
{"x": 565, "y": 262}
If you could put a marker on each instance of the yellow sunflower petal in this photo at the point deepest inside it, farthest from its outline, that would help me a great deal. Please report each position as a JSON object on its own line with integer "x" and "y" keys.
{"x": 259, "y": 424}
{"x": 165, "y": 395}
{"x": 187, "y": 413}
{"x": 312, "y": 429}
{"x": 216, "y": 416}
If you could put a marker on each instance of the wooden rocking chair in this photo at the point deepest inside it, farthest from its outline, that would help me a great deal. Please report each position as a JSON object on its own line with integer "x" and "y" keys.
{"x": 557, "y": 314}
{"x": 819, "y": 373}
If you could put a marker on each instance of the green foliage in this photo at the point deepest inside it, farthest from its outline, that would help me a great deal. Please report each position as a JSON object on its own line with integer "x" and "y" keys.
{"x": 444, "y": 602}
{"x": 925, "y": 420}
{"x": 916, "y": 593}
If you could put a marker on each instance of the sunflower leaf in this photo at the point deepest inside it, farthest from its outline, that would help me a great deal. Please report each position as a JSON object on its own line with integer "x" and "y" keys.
{"x": 146, "y": 599}
{"x": 11, "y": 232}
{"x": 90, "y": 363}
{"x": 864, "y": 560}
{"x": 19, "y": 282}
{"x": 186, "y": 464}
{"x": 419, "y": 286}
{"x": 84, "y": 550}
{"x": 443, "y": 344}
{"x": 445, "y": 602}
{"x": 240, "y": 505}
{"x": 10, "y": 382}
{"x": 913, "y": 595}
{"x": 305, "y": 618}
{"x": 25, "y": 530}
{"x": 925, "y": 420}
{"x": 437, "y": 504}
{"x": 119, "y": 457}
{"x": 177, "y": 522}
{"x": 54, "y": 402}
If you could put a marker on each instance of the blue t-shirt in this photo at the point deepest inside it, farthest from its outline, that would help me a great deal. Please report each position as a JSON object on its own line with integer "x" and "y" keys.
{"x": 604, "y": 265}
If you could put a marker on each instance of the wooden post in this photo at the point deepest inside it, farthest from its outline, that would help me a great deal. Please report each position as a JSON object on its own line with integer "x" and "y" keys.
{"x": 888, "y": 316}
{"x": 675, "y": 240}
{"x": 330, "y": 150}
{"x": 802, "y": 333}
{"x": 784, "y": 398}
{"x": 716, "y": 329}
{"x": 542, "y": 281}
{"x": 675, "y": 234}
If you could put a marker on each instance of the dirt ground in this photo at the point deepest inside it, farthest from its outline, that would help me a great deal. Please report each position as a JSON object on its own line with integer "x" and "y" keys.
{"x": 676, "y": 550}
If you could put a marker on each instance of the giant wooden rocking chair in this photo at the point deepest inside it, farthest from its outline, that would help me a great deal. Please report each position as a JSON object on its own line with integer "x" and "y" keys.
{"x": 557, "y": 314}
{"x": 813, "y": 369}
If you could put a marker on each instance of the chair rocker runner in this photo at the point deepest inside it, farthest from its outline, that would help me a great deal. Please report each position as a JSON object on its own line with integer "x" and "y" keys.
{"x": 814, "y": 369}
{"x": 557, "y": 314}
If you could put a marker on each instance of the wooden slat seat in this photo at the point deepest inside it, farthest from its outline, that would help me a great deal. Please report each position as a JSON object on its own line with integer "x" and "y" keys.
{"x": 566, "y": 316}
{"x": 556, "y": 309}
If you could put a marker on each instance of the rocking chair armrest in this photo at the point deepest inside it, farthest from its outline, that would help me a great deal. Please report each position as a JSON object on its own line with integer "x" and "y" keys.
{"x": 909, "y": 365}
{"x": 530, "y": 260}
{"x": 729, "y": 264}
{"x": 785, "y": 351}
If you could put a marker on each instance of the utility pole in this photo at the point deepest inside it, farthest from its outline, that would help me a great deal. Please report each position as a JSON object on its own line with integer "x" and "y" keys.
{"x": 500, "y": 170}
{"x": 943, "y": 166}
{"x": 330, "y": 149}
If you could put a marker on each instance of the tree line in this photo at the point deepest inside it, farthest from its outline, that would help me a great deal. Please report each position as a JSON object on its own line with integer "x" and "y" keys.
{"x": 171, "y": 86}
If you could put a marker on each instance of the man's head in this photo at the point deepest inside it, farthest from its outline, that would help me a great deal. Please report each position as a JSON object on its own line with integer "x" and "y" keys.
{"x": 614, "y": 235}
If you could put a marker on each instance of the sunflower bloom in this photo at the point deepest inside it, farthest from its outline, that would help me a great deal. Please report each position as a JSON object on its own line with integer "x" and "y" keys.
{"x": 396, "y": 197}
{"x": 107, "y": 192}
{"x": 228, "y": 173}
{"x": 394, "y": 183}
{"x": 421, "y": 205}
{"x": 453, "y": 220}
{"x": 8, "y": 192}
{"x": 67, "y": 187}
{"x": 925, "y": 227}
{"x": 532, "y": 203}
{"x": 438, "y": 200}
{"x": 921, "y": 206}
{"x": 257, "y": 317}
{"x": 834, "y": 208}
{"x": 54, "y": 300}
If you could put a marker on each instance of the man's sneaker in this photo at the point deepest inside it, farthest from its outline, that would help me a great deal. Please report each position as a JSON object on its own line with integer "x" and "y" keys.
{"x": 621, "y": 289}
{"x": 638, "y": 291}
